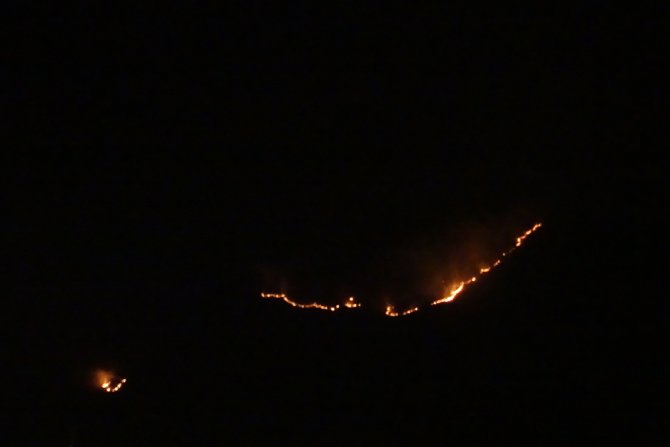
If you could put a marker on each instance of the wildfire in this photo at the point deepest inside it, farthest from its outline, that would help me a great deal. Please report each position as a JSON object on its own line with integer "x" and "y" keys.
{"x": 108, "y": 382}
{"x": 391, "y": 312}
{"x": 459, "y": 287}
{"x": 351, "y": 303}
{"x": 450, "y": 294}
{"x": 286, "y": 299}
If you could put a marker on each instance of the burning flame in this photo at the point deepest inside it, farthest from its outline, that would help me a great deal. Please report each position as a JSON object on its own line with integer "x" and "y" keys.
{"x": 108, "y": 382}
{"x": 391, "y": 312}
{"x": 351, "y": 303}
{"x": 286, "y": 299}
{"x": 459, "y": 287}
{"x": 449, "y": 296}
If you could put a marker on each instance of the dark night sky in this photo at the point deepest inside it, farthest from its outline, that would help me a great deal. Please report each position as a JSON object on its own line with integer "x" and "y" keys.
{"x": 165, "y": 164}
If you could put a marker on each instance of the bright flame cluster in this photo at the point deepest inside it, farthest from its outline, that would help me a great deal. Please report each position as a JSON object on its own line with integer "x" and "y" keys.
{"x": 450, "y": 294}
{"x": 107, "y": 386}
{"x": 108, "y": 382}
{"x": 350, "y": 303}
{"x": 391, "y": 312}
{"x": 286, "y": 299}
{"x": 459, "y": 287}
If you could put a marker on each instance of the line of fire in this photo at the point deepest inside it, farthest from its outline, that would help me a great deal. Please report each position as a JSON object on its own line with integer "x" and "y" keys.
{"x": 450, "y": 293}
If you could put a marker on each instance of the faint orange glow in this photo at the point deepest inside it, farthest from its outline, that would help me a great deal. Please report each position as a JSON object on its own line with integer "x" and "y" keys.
{"x": 108, "y": 382}
{"x": 450, "y": 294}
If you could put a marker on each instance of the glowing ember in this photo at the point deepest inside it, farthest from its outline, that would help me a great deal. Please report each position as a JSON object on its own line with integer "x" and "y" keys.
{"x": 450, "y": 294}
{"x": 108, "y": 382}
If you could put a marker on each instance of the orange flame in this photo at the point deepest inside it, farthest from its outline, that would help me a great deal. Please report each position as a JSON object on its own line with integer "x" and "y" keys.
{"x": 108, "y": 382}
{"x": 286, "y": 299}
{"x": 390, "y": 311}
{"x": 458, "y": 288}
{"x": 351, "y": 303}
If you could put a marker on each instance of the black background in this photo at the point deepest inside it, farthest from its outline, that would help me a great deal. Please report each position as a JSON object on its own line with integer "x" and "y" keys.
{"x": 168, "y": 164}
